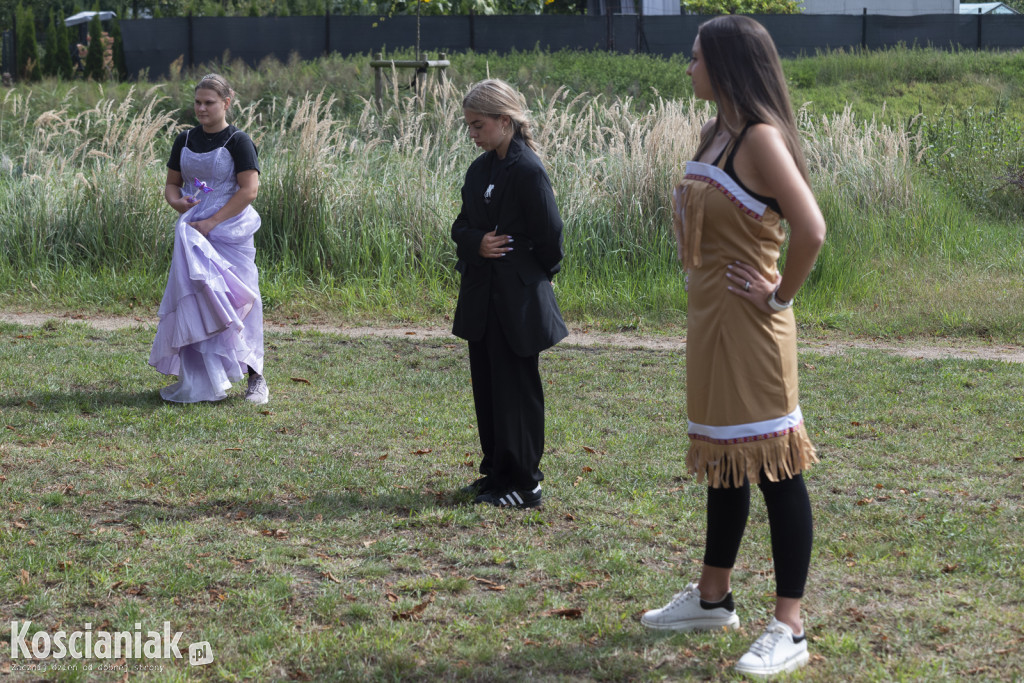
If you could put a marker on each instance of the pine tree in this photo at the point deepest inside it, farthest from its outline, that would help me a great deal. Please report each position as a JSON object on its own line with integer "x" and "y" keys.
{"x": 94, "y": 67}
{"x": 26, "y": 47}
{"x": 50, "y": 58}
{"x": 120, "y": 67}
{"x": 62, "y": 58}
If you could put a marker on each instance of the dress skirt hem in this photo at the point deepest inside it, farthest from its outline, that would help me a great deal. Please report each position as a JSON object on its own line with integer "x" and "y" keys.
{"x": 728, "y": 465}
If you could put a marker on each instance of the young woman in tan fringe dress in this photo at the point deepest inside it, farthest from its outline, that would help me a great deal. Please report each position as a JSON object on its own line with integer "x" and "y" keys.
{"x": 745, "y": 423}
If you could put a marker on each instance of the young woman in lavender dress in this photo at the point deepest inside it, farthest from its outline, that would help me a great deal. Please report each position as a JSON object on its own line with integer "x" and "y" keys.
{"x": 210, "y": 332}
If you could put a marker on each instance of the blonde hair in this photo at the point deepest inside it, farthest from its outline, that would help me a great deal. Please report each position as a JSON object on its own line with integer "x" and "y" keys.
{"x": 495, "y": 98}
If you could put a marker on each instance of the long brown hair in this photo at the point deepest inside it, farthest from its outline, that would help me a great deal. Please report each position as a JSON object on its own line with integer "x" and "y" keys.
{"x": 744, "y": 70}
{"x": 496, "y": 98}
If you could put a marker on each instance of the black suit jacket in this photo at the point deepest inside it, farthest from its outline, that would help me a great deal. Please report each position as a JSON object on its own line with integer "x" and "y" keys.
{"x": 516, "y": 286}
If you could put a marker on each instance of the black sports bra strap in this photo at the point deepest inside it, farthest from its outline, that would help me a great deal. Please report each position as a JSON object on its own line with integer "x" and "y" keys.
{"x": 729, "y": 151}
{"x": 735, "y": 145}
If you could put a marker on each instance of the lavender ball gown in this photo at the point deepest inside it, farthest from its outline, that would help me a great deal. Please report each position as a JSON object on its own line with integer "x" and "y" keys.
{"x": 211, "y": 316}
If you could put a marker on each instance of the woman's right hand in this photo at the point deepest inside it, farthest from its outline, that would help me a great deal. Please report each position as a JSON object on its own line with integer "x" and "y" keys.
{"x": 494, "y": 245}
{"x": 183, "y": 204}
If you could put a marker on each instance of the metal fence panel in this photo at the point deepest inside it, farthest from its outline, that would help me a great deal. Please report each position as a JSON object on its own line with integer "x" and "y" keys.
{"x": 7, "y": 64}
{"x": 152, "y": 44}
{"x": 367, "y": 35}
{"x": 806, "y": 34}
{"x": 1003, "y": 32}
{"x": 554, "y": 32}
{"x": 668, "y": 36}
{"x": 253, "y": 39}
{"x": 935, "y": 30}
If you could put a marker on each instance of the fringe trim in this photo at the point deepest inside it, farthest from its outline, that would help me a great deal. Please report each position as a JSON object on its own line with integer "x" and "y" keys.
{"x": 727, "y": 466}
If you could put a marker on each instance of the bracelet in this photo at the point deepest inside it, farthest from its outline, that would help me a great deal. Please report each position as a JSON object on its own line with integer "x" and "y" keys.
{"x": 777, "y": 305}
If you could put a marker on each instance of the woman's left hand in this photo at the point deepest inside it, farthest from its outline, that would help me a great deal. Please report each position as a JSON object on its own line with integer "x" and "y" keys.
{"x": 204, "y": 226}
{"x": 747, "y": 282}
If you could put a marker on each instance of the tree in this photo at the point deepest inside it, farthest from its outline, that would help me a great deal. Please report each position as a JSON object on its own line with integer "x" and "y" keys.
{"x": 94, "y": 62}
{"x": 26, "y": 47}
{"x": 741, "y": 6}
{"x": 50, "y": 57}
{"x": 62, "y": 56}
{"x": 57, "y": 59}
{"x": 120, "y": 67}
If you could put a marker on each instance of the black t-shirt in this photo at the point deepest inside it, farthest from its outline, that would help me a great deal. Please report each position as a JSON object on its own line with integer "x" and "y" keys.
{"x": 243, "y": 151}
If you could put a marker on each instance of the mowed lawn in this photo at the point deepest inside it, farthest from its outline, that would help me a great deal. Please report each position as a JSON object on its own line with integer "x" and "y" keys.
{"x": 320, "y": 537}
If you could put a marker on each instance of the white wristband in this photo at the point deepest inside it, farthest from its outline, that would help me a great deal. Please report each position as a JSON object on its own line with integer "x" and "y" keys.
{"x": 777, "y": 305}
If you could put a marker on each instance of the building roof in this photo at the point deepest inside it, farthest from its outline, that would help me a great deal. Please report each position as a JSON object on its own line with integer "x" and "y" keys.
{"x": 84, "y": 17}
{"x": 986, "y": 8}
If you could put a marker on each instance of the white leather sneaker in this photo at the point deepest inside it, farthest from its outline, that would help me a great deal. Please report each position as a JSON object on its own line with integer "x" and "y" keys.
{"x": 774, "y": 652}
{"x": 685, "y": 613}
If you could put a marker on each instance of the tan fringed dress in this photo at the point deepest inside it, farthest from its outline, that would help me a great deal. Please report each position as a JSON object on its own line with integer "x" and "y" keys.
{"x": 742, "y": 394}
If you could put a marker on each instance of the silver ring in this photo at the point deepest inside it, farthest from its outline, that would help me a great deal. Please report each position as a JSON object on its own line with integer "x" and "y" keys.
{"x": 746, "y": 286}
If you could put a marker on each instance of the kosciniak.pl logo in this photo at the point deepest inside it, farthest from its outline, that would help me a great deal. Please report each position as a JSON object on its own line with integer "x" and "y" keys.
{"x": 89, "y": 644}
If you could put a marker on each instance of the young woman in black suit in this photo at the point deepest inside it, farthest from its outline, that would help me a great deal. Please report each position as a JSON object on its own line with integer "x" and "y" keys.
{"x": 508, "y": 238}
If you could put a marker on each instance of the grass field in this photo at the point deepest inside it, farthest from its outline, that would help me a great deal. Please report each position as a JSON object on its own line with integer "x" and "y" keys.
{"x": 320, "y": 538}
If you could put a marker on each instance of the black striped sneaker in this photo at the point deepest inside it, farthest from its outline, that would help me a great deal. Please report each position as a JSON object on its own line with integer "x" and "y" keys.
{"x": 511, "y": 498}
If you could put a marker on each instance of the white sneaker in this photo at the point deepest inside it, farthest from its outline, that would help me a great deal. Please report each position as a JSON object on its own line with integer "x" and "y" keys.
{"x": 257, "y": 391}
{"x": 685, "y": 613}
{"x": 774, "y": 652}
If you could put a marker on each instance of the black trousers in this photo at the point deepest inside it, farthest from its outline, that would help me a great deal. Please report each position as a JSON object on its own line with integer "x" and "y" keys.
{"x": 509, "y": 401}
{"x": 789, "y": 518}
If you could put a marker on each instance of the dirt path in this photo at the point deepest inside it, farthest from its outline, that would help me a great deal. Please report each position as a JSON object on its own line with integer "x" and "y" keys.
{"x": 933, "y": 349}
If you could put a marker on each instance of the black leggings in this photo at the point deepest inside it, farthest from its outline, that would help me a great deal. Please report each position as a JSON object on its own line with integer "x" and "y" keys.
{"x": 789, "y": 517}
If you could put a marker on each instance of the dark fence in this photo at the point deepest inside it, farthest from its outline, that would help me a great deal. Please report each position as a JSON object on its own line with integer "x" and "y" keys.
{"x": 153, "y": 44}
{"x": 7, "y": 60}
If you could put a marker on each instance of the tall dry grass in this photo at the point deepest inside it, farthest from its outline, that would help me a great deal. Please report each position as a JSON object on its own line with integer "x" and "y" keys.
{"x": 371, "y": 198}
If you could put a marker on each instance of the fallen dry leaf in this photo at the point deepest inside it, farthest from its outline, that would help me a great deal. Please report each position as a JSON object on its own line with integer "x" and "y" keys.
{"x": 566, "y": 613}
{"x": 487, "y": 582}
{"x": 421, "y": 451}
{"x": 414, "y": 612}
{"x": 330, "y": 577}
{"x": 274, "y": 533}
{"x": 588, "y": 470}
{"x": 391, "y": 597}
{"x": 301, "y": 380}
{"x": 588, "y": 449}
